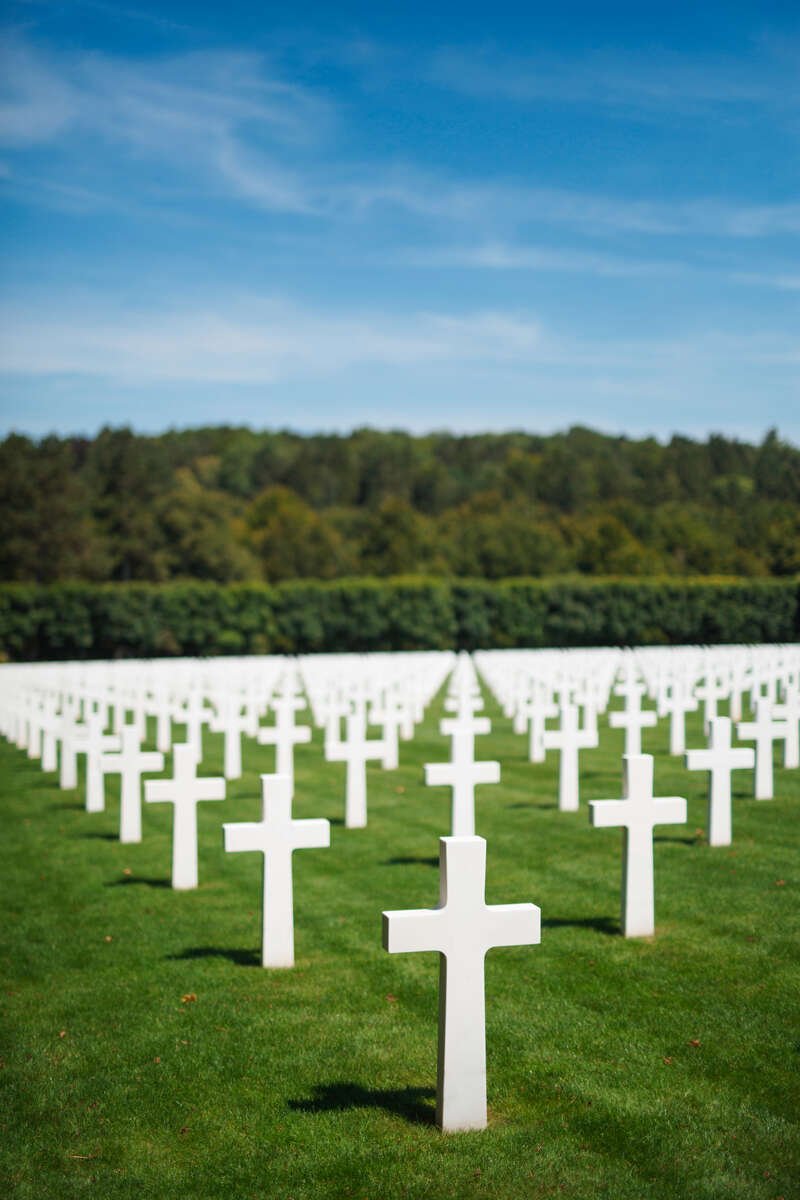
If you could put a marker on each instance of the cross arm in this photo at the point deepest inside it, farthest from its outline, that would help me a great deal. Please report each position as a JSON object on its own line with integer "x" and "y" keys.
{"x": 311, "y": 834}
{"x": 604, "y": 814}
{"x": 439, "y": 774}
{"x": 513, "y": 925}
{"x": 206, "y": 788}
{"x": 486, "y": 772}
{"x": 670, "y": 810}
{"x": 243, "y": 835}
{"x": 700, "y": 760}
{"x": 474, "y": 725}
{"x": 413, "y": 929}
{"x": 156, "y": 790}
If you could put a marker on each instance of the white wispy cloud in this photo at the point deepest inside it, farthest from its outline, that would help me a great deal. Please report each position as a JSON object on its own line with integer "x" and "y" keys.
{"x": 256, "y": 340}
{"x": 782, "y": 281}
{"x": 505, "y": 256}
{"x": 226, "y": 124}
{"x": 198, "y": 115}
{"x": 641, "y": 84}
{"x": 271, "y": 340}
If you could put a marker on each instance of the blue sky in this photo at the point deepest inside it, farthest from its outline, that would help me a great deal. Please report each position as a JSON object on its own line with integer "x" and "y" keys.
{"x": 401, "y": 216}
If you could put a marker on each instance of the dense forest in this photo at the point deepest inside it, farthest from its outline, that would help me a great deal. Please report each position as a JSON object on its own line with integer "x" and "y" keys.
{"x": 230, "y": 504}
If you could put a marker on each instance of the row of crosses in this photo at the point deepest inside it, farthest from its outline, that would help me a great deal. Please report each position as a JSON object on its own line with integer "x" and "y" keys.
{"x": 462, "y": 928}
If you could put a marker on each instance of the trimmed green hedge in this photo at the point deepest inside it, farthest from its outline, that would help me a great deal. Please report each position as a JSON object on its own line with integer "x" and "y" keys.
{"x": 68, "y": 621}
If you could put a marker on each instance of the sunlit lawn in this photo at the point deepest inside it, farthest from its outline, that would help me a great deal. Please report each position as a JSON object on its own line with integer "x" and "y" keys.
{"x": 147, "y": 1054}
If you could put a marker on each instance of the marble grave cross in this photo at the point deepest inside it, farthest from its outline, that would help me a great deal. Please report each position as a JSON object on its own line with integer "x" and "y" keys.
{"x": 720, "y": 759}
{"x": 789, "y": 711}
{"x": 356, "y": 750}
{"x": 764, "y": 730}
{"x": 130, "y": 763}
{"x": 633, "y": 719}
{"x": 638, "y": 812}
{"x": 231, "y": 719}
{"x": 462, "y": 774}
{"x": 569, "y": 739}
{"x": 677, "y": 702}
{"x": 462, "y": 929}
{"x": 284, "y": 735}
{"x": 277, "y": 835}
{"x": 184, "y": 791}
{"x": 97, "y": 744}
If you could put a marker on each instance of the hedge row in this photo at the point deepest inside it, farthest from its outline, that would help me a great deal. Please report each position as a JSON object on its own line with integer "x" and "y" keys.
{"x": 73, "y": 621}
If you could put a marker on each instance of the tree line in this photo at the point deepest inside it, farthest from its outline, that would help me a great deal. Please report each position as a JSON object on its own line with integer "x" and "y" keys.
{"x": 231, "y": 504}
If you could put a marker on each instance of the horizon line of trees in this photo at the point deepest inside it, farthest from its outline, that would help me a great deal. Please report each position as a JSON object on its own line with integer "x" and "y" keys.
{"x": 229, "y": 504}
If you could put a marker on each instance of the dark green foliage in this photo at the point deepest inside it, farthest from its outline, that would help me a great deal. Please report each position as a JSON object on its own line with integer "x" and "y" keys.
{"x": 65, "y": 621}
{"x": 226, "y": 505}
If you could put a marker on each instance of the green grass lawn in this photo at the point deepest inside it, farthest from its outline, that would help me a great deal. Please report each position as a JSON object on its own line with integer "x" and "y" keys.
{"x": 145, "y": 1053}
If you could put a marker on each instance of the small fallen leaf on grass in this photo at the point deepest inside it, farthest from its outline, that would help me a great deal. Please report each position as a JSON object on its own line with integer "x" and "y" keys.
{"x": 156, "y": 1059}
{"x": 392, "y": 999}
{"x": 400, "y": 790}
{"x": 668, "y": 1062}
{"x": 780, "y": 883}
{"x": 127, "y": 871}
{"x": 62, "y": 1033}
{"x": 108, "y": 938}
{"x": 184, "y": 1128}
{"x": 694, "y": 1041}
{"x": 189, "y": 998}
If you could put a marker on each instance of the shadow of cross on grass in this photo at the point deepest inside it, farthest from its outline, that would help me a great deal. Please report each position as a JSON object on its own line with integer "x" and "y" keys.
{"x": 600, "y": 924}
{"x": 144, "y": 880}
{"x": 242, "y": 958}
{"x": 404, "y": 860}
{"x": 414, "y": 1104}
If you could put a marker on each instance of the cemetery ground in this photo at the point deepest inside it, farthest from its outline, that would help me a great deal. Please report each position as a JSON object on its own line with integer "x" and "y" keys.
{"x": 145, "y": 1052}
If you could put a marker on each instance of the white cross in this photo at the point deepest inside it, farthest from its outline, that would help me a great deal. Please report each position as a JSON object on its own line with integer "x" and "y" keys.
{"x": 276, "y": 836}
{"x": 130, "y": 763}
{"x": 33, "y": 739}
{"x": 463, "y": 774}
{"x": 51, "y": 727}
{"x": 356, "y": 750}
{"x": 284, "y": 734}
{"x": 231, "y": 722}
{"x": 73, "y": 742}
{"x": 163, "y": 706}
{"x": 535, "y": 710}
{"x": 194, "y": 714}
{"x": 389, "y": 714}
{"x": 763, "y": 731}
{"x": 719, "y": 760}
{"x": 676, "y": 702}
{"x": 710, "y": 691}
{"x": 789, "y": 710}
{"x": 569, "y": 739}
{"x": 638, "y": 812}
{"x": 184, "y": 791}
{"x": 633, "y": 719}
{"x": 97, "y": 744}
{"x": 462, "y": 929}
